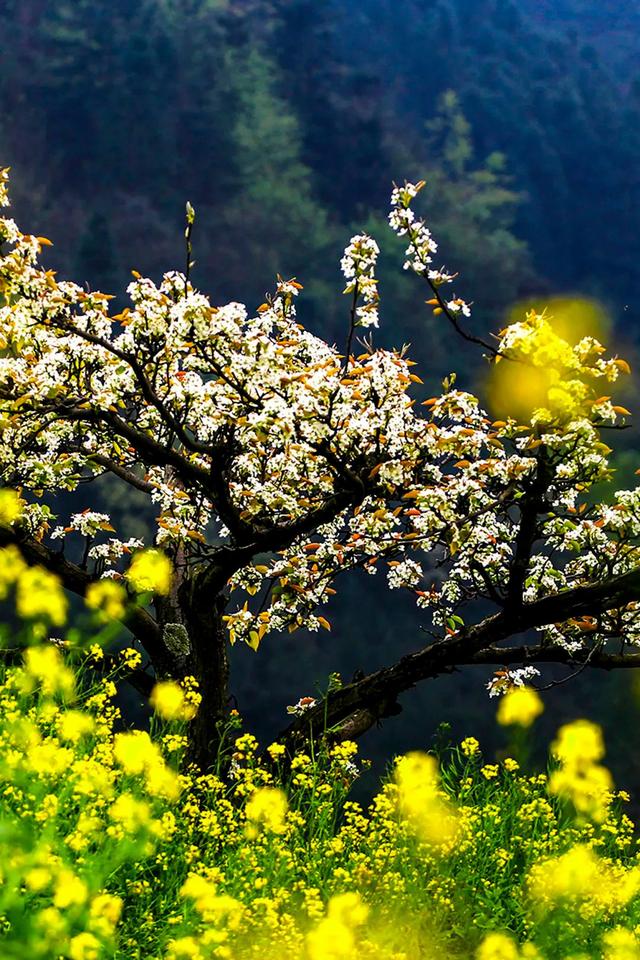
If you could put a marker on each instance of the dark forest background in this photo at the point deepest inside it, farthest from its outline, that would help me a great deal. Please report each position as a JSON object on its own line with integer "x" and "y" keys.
{"x": 284, "y": 122}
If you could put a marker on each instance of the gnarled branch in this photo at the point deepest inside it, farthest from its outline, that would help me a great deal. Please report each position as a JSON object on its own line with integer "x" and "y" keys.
{"x": 360, "y": 704}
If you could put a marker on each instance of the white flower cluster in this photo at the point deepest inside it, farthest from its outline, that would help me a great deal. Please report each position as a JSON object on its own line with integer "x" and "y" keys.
{"x": 358, "y": 265}
{"x": 507, "y": 679}
{"x": 404, "y": 222}
{"x": 87, "y": 524}
{"x": 114, "y": 550}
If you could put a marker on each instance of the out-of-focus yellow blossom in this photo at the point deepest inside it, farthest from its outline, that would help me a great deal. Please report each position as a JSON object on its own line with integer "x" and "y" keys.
{"x": 105, "y": 912}
{"x": 39, "y": 595}
{"x": 130, "y": 812}
{"x": 198, "y": 889}
{"x": 588, "y": 786}
{"x": 150, "y": 571}
{"x": 620, "y": 944}
{"x": 519, "y": 706}
{"x": 580, "y": 875}
{"x": 70, "y": 890}
{"x": 84, "y": 946}
{"x": 335, "y": 937}
{"x": 266, "y": 809}
{"x": 107, "y": 598}
{"x": 92, "y": 778}
{"x": 421, "y": 801}
{"x": 135, "y": 751}
{"x": 497, "y": 946}
{"x": 138, "y": 755}
{"x": 11, "y": 567}
{"x": 50, "y": 759}
{"x": 74, "y": 724}
{"x": 38, "y": 879}
{"x": 169, "y": 701}
{"x": 44, "y": 665}
{"x": 579, "y": 742}
{"x": 573, "y": 875}
{"x": 184, "y": 948}
{"x": 580, "y": 777}
{"x": 10, "y": 506}
{"x": 213, "y": 907}
{"x": 554, "y": 379}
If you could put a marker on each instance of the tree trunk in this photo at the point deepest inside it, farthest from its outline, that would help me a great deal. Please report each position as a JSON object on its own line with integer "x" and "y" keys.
{"x": 208, "y": 662}
{"x": 195, "y": 640}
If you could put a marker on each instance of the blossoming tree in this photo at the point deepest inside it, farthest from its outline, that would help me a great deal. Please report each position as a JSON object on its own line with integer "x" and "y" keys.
{"x": 276, "y": 462}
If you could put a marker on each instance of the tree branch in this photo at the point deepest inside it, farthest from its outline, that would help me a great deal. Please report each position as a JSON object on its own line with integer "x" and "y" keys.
{"x": 555, "y": 654}
{"x": 279, "y": 537}
{"x": 158, "y": 453}
{"x": 123, "y": 473}
{"x": 530, "y": 505}
{"x": 374, "y": 697}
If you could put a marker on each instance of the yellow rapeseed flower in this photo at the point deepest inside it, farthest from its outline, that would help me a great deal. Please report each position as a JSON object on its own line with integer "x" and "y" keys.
{"x": 10, "y": 506}
{"x": 421, "y": 802}
{"x": 70, "y": 890}
{"x": 11, "y": 567}
{"x": 130, "y": 812}
{"x": 267, "y": 808}
{"x": 135, "y": 751}
{"x": 575, "y": 875}
{"x": 39, "y": 595}
{"x": 38, "y": 879}
{"x": 497, "y": 946}
{"x": 579, "y": 742}
{"x": 72, "y": 725}
{"x": 169, "y": 701}
{"x": 470, "y": 746}
{"x": 84, "y": 946}
{"x": 520, "y": 707}
{"x": 137, "y": 754}
{"x": 620, "y": 944}
{"x": 150, "y": 571}
{"x": 44, "y": 665}
{"x": 106, "y": 909}
{"x": 588, "y": 786}
{"x": 184, "y": 948}
{"x": 335, "y": 937}
{"x": 107, "y": 598}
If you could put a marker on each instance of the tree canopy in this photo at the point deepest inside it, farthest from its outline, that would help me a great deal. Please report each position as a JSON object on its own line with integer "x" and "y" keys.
{"x": 276, "y": 462}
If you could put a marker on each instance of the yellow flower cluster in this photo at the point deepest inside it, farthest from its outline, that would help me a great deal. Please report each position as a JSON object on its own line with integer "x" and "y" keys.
{"x": 580, "y": 875}
{"x": 10, "y": 507}
{"x": 107, "y": 598}
{"x": 520, "y": 706}
{"x": 266, "y": 809}
{"x": 150, "y": 571}
{"x": 38, "y": 593}
{"x": 580, "y": 778}
{"x": 174, "y": 701}
{"x": 422, "y": 802}
{"x": 114, "y": 847}
{"x": 553, "y": 378}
